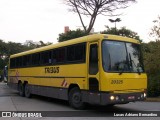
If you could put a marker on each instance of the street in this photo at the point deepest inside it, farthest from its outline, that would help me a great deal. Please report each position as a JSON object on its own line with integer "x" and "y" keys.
{"x": 11, "y": 101}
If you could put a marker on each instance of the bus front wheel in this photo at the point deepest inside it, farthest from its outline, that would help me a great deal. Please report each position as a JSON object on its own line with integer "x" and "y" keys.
{"x": 75, "y": 98}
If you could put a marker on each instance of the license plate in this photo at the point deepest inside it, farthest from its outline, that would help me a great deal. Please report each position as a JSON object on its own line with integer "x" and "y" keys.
{"x": 131, "y": 97}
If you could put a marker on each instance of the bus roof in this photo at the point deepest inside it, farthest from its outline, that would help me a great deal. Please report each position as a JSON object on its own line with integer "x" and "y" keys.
{"x": 93, "y": 37}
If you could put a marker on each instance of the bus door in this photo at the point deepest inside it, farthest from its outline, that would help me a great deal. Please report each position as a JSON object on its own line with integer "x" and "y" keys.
{"x": 93, "y": 73}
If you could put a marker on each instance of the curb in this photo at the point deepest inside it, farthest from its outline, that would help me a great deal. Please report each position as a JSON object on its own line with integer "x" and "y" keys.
{"x": 157, "y": 99}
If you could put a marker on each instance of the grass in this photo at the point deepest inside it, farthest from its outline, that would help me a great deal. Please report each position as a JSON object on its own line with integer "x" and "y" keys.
{"x": 153, "y": 99}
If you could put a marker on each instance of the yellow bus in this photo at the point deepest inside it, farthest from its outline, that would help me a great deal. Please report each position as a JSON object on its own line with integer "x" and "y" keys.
{"x": 97, "y": 69}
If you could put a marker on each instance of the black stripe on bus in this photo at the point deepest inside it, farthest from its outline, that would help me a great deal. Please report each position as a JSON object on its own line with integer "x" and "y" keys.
{"x": 47, "y": 77}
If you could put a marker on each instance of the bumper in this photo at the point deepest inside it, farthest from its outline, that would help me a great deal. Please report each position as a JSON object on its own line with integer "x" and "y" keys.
{"x": 121, "y": 98}
{"x": 102, "y": 98}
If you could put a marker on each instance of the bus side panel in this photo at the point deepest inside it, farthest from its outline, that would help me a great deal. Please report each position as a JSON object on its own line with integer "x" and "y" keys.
{"x": 46, "y": 81}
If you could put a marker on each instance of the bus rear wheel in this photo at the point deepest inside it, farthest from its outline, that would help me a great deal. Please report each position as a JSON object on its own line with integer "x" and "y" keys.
{"x": 75, "y": 98}
{"x": 21, "y": 89}
{"x": 27, "y": 91}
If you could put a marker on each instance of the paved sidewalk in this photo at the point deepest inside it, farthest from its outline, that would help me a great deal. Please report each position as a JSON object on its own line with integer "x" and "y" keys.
{"x": 6, "y": 91}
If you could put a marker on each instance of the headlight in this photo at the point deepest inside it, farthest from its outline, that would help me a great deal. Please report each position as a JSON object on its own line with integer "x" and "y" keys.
{"x": 112, "y": 98}
{"x": 117, "y": 98}
{"x": 142, "y": 95}
{"x": 145, "y": 94}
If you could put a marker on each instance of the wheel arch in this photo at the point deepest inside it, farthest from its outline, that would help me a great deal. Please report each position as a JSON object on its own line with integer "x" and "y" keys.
{"x": 25, "y": 82}
{"x": 19, "y": 81}
{"x": 72, "y": 86}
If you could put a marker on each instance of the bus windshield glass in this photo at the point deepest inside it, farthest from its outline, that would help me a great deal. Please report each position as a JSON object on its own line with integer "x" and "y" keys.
{"x": 121, "y": 57}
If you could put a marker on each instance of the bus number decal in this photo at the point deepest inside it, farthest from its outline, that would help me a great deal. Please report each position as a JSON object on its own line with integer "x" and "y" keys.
{"x": 51, "y": 69}
{"x": 117, "y": 82}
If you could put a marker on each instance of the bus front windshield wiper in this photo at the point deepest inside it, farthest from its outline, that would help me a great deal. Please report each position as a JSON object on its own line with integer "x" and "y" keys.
{"x": 131, "y": 61}
{"x": 109, "y": 62}
{"x": 122, "y": 67}
{"x": 122, "y": 71}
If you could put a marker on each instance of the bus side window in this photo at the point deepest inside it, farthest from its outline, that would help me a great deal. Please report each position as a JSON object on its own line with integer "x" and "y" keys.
{"x": 93, "y": 59}
{"x": 54, "y": 59}
{"x": 46, "y": 57}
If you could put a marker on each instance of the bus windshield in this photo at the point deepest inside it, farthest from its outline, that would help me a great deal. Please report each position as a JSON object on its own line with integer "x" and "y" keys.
{"x": 121, "y": 57}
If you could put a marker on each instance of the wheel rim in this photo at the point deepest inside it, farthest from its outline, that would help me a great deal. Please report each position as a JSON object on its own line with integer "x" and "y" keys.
{"x": 76, "y": 98}
{"x": 21, "y": 89}
{"x": 27, "y": 92}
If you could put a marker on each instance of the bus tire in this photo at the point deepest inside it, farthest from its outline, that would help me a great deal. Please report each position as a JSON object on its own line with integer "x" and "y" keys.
{"x": 75, "y": 98}
{"x": 21, "y": 89}
{"x": 27, "y": 91}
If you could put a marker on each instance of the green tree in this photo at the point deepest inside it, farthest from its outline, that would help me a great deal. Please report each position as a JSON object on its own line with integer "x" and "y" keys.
{"x": 71, "y": 35}
{"x": 155, "y": 31}
{"x": 7, "y": 49}
{"x": 79, "y": 33}
{"x": 32, "y": 45}
{"x": 151, "y": 57}
{"x": 93, "y": 8}
{"x": 3, "y": 48}
{"x": 3, "y": 55}
{"x": 122, "y": 31}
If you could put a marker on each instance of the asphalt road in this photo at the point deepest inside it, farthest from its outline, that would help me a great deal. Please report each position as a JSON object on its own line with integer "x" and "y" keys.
{"x": 58, "y": 109}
